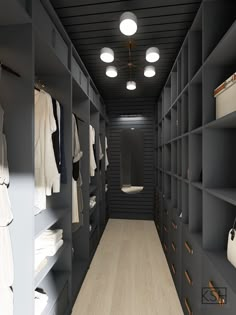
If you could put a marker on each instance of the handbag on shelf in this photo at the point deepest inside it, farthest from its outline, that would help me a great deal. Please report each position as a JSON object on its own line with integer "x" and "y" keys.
{"x": 231, "y": 247}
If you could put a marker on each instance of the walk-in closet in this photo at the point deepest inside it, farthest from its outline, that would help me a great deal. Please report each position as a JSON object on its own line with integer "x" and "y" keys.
{"x": 117, "y": 157}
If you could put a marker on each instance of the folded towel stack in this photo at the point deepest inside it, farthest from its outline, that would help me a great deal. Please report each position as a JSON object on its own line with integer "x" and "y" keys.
{"x": 92, "y": 202}
{"x": 46, "y": 245}
{"x": 40, "y": 302}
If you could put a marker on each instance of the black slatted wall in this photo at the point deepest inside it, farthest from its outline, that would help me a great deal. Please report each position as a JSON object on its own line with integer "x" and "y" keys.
{"x": 122, "y": 205}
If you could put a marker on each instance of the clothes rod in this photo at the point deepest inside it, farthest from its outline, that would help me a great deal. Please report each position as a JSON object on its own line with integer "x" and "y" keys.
{"x": 9, "y": 70}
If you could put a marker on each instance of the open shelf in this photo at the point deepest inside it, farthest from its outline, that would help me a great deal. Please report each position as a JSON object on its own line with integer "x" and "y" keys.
{"x": 48, "y": 218}
{"x": 195, "y": 210}
{"x": 92, "y": 189}
{"x": 51, "y": 262}
{"x": 53, "y": 285}
{"x": 226, "y": 194}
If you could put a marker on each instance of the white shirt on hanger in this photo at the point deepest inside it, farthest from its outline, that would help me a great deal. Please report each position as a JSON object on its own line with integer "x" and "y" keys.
{"x": 93, "y": 164}
{"x": 46, "y": 173}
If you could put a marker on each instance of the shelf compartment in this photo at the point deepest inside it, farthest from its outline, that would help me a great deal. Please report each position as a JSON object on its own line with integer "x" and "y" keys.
{"x": 174, "y": 157}
{"x": 167, "y": 158}
{"x": 179, "y": 87}
{"x": 185, "y": 158}
{"x": 92, "y": 210}
{"x": 226, "y": 194}
{"x": 179, "y": 157}
{"x": 195, "y": 210}
{"x": 167, "y": 129}
{"x": 184, "y": 113}
{"x": 92, "y": 189}
{"x": 173, "y": 86}
{"x": 185, "y": 202}
{"x": 174, "y": 192}
{"x": 166, "y": 100}
{"x": 179, "y": 195}
{"x": 179, "y": 119}
{"x": 228, "y": 121}
{"x": 173, "y": 122}
{"x": 195, "y": 102}
{"x": 195, "y": 52}
{"x": 54, "y": 284}
{"x": 224, "y": 14}
{"x": 213, "y": 76}
{"x": 215, "y": 235}
{"x": 167, "y": 186}
{"x": 219, "y": 156}
{"x": 48, "y": 218}
{"x": 184, "y": 66}
{"x": 195, "y": 158}
{"x": 51, "y": 262}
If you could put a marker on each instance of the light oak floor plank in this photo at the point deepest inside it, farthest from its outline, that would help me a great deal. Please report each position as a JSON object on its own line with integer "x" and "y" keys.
{"x": 129, "y": 274}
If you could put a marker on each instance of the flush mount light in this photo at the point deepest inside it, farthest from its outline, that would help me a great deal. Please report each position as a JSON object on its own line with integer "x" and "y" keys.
{"x": 128, "y": 24}
{"x": 107, "y": 55}
{"x": 131, "y": 85}
{"x": 152, "y": 54}
{"x": 111, "y": 72}
{"x": 149, "y": 71}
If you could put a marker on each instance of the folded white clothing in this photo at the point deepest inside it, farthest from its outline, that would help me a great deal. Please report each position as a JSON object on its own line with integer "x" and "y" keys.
{"x": 40, "y": 261}
{"x": 92, "y": 204}
{"x": 40, "y": 302}
{"x": 50, "y": 250}
{"x": 6, "y": 265}
{"x": 5, "y": 207}
{"x": 6, "y": 301}
{"x": 93, "y": 198}
{"x": 48, "y": 239}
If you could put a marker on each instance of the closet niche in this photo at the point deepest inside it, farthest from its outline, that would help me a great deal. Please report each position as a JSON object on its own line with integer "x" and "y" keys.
{"x": 132, "y": 161}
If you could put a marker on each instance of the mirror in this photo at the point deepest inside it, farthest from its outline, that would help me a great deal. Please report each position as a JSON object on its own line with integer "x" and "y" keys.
{"x": 132, "y": 161}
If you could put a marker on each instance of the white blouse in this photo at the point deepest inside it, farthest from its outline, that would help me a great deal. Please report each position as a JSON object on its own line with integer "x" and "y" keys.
{"x": 93, "y": 164}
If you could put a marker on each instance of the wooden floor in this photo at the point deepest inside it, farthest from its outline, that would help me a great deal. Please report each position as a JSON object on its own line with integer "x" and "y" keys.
{"x": 129, "y": 274}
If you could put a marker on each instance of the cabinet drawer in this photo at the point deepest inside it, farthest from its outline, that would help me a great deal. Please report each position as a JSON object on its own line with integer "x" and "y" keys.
{"x": 192, "y": 253}
{"x": 218, "y": 295}
{"x": 188, "y": 307}
{"x": 50, "y": 33}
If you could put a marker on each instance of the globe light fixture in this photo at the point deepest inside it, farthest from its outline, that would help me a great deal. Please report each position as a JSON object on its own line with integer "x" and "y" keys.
{"x": 152, "y": 54}
{"x": 107, "y": 55}
{"x": 128, "y": 24}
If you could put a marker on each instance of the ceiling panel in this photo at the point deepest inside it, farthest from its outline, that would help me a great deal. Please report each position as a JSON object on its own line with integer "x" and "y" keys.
{"x": 93, "y": 24}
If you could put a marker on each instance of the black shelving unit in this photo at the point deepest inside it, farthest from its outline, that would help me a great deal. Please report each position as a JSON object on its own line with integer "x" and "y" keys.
{"x": 196, "y": 162}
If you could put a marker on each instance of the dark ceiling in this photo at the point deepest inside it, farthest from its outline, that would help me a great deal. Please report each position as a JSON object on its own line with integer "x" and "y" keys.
{"x": 94, "y": 24}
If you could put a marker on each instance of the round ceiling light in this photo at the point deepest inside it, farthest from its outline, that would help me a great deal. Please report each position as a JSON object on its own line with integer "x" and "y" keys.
{"x": 149, "y": 71}
{"x": 152, "y": 54}
{"x": 107, "y": 55}
{"x": 128, "y": 24}
{"x": 111, "y": 72}
{"x": 131, "y": 85}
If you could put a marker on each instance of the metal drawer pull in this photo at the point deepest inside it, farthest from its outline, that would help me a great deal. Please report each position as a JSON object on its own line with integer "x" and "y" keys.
{"x": 173, "y": 246}
{"x": 165, "y": 228}
{"x": 173, "y": 269}
{"x": 189, "y": 249}
{"x": 188, "y": 307}
{"x": 174, "y": 225}
{"x": 187, "y": 276}
{"x": 165, "y": 247}
{"x": 219, "y": 299}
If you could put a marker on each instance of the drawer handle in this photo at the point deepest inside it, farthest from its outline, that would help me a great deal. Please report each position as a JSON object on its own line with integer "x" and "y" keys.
{"x": 188, "y": 307}
{"x": 173, "y": 246}
{"x": 174, "y": 225}
{"x": 189, "y": 249}
{"x": 165, "y": 247}
{"x": 187, "y": 276}
{"x": 173, "y": 269}
{"x": 165, "y": 228}
{"x": 220, "y": 300}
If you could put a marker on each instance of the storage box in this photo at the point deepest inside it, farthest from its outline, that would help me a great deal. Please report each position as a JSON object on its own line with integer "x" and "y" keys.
{"x": 225, "y": 96}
